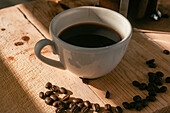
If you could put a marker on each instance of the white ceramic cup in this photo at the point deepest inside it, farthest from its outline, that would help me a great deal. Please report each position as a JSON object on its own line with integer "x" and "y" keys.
{"x": 82, "y": 61}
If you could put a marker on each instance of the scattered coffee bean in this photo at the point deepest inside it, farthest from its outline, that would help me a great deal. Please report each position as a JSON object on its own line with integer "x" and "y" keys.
{"x": 167, "y": 79}
{"x": 48, "y": 93}
{"x": 142, "y": 86}
{"x": 158, "y": 81}
{"x": 96, "y": 107}
{"x": 153, "y": 65}
{"x": 118, "y": 109}
{"x": 152, "y": 78}
{"x": 150, "y": 74}
{"x": 85, "y": 109}
{"x": 59, "y": 109}
{"x": 136, "y": 83}
{"x": 166, "y": 52}
{"x": 48, "y": 85}
{"x": 160, "y": 74}
{"x": 132, "y": 104}
{"x": 87, "y": 104}
{"x": 66, "y": 103}
{"x": 55, "y": 104}
{"x": 126, "y": 105}
{"x": 137, "y": 98}
{"x": 163, "y": 89}
{"x": 75, "y": 109}
{"x": 65, "y": 7}
{"x": 61, "y": 103}
{"x": 54, "y": 97}
{"x": 107, "y": 107}
{"x": 77, "y": 100}
{"x": 65, "y": 97}
{"x": 80, "y": 105}
{"x": 152, "y": 93}
{"x": 63, "y": 90}
{"x": 85, "y": 80}
{"x": 41, "y": 95}
{"x": 139, "y": 106}
{"x": 71, "y": 105}
{"x": 152, "y": 87}
{"x": 151, "y": 98}
{"x": 144, "y": 103}
{"x": 107, "y": 94}
{"x": 54, "y": 88}
{"x": 49, "y": 101}
{"x": 150, "y": 61}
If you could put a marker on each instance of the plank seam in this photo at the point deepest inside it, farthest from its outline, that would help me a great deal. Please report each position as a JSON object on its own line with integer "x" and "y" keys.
{"x": 31, "y": 23}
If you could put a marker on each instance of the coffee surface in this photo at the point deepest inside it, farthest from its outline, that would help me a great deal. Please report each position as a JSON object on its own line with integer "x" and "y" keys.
{"x": 90, "y": 35}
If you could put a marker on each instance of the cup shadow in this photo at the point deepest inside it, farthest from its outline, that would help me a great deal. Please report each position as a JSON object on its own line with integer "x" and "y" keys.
{"x": 12, "y": 95}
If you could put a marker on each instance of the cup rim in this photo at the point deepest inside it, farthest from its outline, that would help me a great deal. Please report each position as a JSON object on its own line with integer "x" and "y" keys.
{"x": 89, "y": 48}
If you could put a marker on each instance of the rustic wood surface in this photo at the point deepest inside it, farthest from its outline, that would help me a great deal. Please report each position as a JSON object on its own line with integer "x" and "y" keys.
{"x": 23, "y": 76}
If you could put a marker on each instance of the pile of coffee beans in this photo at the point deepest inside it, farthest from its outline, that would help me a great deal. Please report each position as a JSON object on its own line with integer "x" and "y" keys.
{"x": 154, "y": 86}
{"x": 75, "y": 105}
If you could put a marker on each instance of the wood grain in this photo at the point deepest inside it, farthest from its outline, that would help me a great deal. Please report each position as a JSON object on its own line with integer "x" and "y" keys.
{"x": 24, "y": 74}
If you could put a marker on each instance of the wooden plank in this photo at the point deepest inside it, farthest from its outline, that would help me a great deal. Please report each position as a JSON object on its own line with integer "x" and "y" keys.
{"x": 23, "y": 76}
{"x": 33, "y": 74}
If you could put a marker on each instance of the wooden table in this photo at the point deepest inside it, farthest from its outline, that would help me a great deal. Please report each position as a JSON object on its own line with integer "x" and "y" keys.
{"x": 23, "y": 76}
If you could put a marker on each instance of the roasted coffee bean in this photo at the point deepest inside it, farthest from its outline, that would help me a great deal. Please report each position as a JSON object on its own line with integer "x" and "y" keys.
{"x": 137, "y": 98}
{"x": 158, "y": 81}
{"x": 49, "y": 101}
{"x": 152, "y": 87}
{"x": 153, "y": 65}
{"x": 61, "y": 103}
{"x": 139, "y": 106}
{"x": 136, "y": 83}
{"x": 80, "y": 105}
{"x": 166, "y": 52}
{"x": 48, "y": 93}
{"x": 151, "y": 98}
{"x": 163, "y": 89}
{"x": 54, "y": 88}
{"x": 167, "y": 79}
{"x": 77, "y": 100}
{"x": 160, "y": 74}
{"x": 142, "y": 86}
{"x": 71, "y": 105}
{"x": 107, "y": 94}
{"x": 96, "y": 107}
{"x": 152, "y": 93}
{"x": 107, "y": 111}
{"x": 152, "y": 79}
{"x": 63, "y": 90}
{"x": 55, "y": 104}
{"x": 54, "y": 97}
{"x": 150, "y": 74}
{"x": 48, "y": 85}
{"x": 126, "y": 105}
{"x": 144, "y": 103}
{"x": 150, "y": 61}
{"x": 65, "y": 97}
{"x": 85, "y": 109}
{"x": 60, "y": 110}
{"x": 66, "y": 103}
{"x": 87, "y": 104}
{"x": 41, "y": 95}
{"x": 107, "y": 107}
{"x": 65, "y": 7}
{"x": 132, "y": 104}
{"x": 118, "y": 109}
{"x": 75, "y": 109}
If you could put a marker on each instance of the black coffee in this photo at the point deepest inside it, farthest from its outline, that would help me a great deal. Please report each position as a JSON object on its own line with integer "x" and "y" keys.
{"x": 90, "y": 35}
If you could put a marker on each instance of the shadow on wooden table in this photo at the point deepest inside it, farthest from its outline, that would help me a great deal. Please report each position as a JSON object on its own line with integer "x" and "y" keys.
{"x": 12, "y": 95}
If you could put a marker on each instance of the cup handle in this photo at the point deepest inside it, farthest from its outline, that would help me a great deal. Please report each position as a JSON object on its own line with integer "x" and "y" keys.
{"x": 40, "y": 45}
